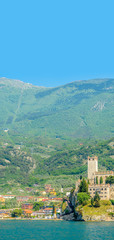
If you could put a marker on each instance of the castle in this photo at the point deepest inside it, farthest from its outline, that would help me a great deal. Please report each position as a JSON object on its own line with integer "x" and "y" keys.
{"x": 97, "y": 180}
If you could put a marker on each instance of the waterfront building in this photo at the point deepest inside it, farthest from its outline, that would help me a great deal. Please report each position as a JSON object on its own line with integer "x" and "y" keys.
{"x": 97, "y": 180}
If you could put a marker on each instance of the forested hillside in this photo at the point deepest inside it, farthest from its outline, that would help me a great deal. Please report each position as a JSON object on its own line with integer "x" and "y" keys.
{"x": 27, "y": 164}
{"x": 74, "y": 161}
{"x": 81, "y": 109}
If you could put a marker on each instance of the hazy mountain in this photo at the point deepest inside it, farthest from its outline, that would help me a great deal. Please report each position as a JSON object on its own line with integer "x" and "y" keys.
{"x": 81, "y": 109}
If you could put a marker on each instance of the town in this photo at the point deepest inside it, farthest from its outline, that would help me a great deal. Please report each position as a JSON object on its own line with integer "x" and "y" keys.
{"x": 48, "y": 205}
{"x": 41, "y": 207}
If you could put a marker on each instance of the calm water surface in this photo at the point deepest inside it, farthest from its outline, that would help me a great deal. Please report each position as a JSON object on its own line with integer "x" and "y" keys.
{"x": 55, "y": 230}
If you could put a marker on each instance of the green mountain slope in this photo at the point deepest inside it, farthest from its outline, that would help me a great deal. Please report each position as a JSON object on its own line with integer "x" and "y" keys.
{"x": 81, "y": 109}
{"x": 29, "y": 164}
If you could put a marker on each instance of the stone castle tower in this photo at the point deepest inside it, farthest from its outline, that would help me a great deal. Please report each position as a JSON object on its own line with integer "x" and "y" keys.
{"x": 92, "y": 167}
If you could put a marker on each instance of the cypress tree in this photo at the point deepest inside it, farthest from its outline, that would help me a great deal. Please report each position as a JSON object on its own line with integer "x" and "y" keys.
{"x": 101, "y": 180}
{"x": 96, "y": 180}
{"x": 96, "y": 197}
{"x": 83, "y": 186}
{"x": 92, "y": 202}
{"x": 97, "y": 200}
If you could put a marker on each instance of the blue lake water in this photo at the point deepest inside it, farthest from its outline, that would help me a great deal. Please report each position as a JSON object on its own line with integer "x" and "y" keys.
{"x": 55, "y": 230}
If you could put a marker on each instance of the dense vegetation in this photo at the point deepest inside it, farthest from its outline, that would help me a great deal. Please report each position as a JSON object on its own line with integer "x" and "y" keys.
{"x": 110, "y": 180}
{"x": 74, "y": 161}
{"x": 82, "y": 109}
{"x": 52, "y": 164}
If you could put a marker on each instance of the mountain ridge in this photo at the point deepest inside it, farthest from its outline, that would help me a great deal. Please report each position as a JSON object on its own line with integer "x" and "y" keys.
{"x": 12, "y": 81}
{"x": 77, "y": 109}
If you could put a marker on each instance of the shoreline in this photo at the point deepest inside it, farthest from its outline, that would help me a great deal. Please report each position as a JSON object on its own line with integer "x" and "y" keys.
{"x": 32, "y": 219}
{"x": 37, "y": 219}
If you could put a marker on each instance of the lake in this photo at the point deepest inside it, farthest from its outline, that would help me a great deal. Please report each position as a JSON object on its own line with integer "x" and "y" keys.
{"x": 55, "y": 230}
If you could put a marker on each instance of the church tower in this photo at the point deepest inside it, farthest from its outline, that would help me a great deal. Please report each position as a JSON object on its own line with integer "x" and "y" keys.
{"x": 92, "y": 167}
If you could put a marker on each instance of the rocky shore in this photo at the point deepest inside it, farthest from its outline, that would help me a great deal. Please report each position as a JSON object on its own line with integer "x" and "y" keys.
{"x": 86, "y": 218}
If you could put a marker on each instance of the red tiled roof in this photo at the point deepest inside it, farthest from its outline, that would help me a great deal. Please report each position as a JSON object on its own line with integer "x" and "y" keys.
{"x": 47, "y": 209}
{"x": 28, "y": 211}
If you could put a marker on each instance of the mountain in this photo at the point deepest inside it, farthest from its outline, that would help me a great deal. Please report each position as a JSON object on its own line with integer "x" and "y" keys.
{"x": 81, "y": 109}
{"x": 46, "y": 134}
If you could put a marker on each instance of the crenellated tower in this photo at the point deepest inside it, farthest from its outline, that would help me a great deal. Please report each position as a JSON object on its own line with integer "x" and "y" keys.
{"x": 92, "y": 167}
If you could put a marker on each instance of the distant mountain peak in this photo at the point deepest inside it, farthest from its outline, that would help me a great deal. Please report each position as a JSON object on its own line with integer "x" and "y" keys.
{"x": 16, "y": 83}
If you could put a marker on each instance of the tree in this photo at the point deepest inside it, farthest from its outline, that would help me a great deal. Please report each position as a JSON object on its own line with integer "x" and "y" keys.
{"x": 110, "y": 180}
{"x": 97, "y": 203}
{"x": 97, "y": 200}
{"x": 38, "y": 205}
{"x": 11, "y": 203}
{"x": 37, "y": 194}
{"x": 101, "y": 180}
{"x": 54, "y": 209}
{"x": 96, "y": 197}
{"x": 16, "y": 213}
{"x": 83, "y": 186}
{"x": 92, "y": 202}
{"x": 112, "y": 201}
{"x": 96, "y": 180}
{"x": 83, "y": 198}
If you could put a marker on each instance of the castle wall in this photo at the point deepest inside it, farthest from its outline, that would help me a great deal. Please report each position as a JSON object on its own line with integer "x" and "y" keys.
{"x": 103, "y": 191}
{"x": 112, "y": 191}
{"x": 104, "y": 175}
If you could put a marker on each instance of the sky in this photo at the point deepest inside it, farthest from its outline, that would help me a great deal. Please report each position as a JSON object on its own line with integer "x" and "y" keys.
{"x": 54, "y": 42}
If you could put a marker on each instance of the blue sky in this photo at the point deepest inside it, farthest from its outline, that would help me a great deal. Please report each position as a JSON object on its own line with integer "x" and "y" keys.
{"x": 53, "y": 42}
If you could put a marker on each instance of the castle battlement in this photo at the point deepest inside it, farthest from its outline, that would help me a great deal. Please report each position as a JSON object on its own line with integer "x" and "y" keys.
{"x": 99, "y": 185}
{"x": 93, "y": 158}
{"x": 105, "y": 173}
